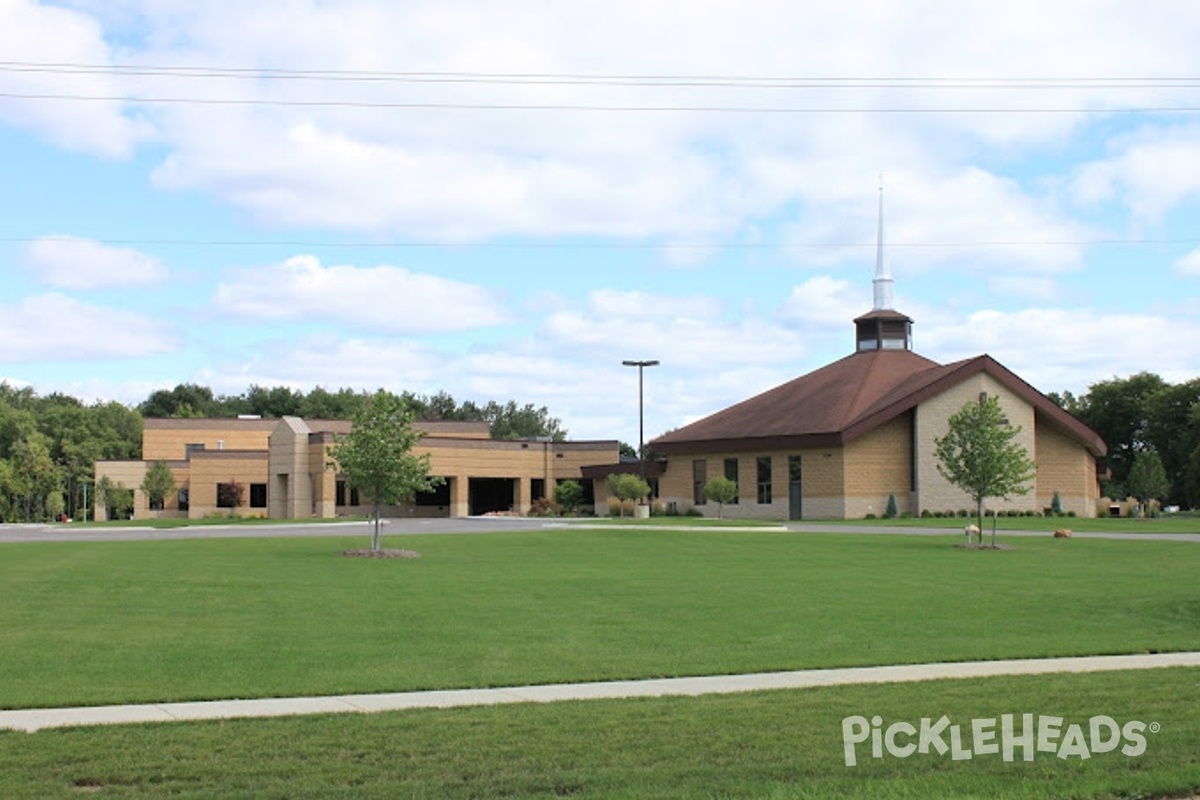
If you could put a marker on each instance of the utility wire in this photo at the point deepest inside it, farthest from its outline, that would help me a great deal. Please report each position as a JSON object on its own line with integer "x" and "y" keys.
{"x": 734, "y": 81}
{"x": 602, "y": 245}
{"x": 207, "y": 101}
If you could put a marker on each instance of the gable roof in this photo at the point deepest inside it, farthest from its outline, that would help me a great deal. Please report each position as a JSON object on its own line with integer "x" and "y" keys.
{"x": 837, "y": 403}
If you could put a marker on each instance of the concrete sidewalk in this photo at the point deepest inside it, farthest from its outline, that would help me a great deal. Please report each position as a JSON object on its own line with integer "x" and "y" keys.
{"x": 31, "y": 720}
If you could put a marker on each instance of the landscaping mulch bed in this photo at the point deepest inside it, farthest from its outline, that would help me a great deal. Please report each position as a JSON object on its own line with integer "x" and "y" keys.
{"x": 386, "y": 553}
{"x": 961, "y": 546}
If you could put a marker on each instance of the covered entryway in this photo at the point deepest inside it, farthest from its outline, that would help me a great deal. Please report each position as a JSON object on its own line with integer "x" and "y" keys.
{"x": 492, "y": 494}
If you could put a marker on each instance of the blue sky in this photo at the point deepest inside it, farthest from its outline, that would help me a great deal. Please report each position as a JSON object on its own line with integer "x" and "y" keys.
{"x": 505, "y": 200}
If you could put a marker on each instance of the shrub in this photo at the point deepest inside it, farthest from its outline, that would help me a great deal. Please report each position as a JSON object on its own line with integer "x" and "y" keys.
{"x": 962, "y": 512}
{"x": 891, "y": 506}
{"x": 926, "y": 513}
{"x": 568, "y": 495}
{"x": 544, "y": 507}
{"x": 870, "y": 516}
{"x": 693, "y": 512}
{"x": 230, "y": 495}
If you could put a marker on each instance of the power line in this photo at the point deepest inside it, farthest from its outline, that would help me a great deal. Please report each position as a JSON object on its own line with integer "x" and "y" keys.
{"x": 670, "y": 80}
{"x": 594, "y": 108}
{"x": 602, "y": 245}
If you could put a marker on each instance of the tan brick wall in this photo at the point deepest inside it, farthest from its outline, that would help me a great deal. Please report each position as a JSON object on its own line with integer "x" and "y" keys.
{"x": 821, "y": 483}
{"x": 879, "y": 464}
{"x": 935, "y": 493}
{"x": 1067, "y": 468}
{"x": 206, "y": 472}
{"x": 171, "y": 443}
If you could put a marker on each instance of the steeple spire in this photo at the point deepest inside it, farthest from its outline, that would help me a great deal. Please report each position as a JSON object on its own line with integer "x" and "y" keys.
{"x": 883, "y": 278}
{"x": 883, "y": 328}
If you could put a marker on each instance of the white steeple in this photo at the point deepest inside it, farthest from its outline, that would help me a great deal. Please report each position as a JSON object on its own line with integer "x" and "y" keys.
{"x": 883, "y": 277}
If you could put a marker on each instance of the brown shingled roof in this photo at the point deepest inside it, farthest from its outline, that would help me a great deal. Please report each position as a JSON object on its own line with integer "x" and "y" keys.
{"x": 848, "y": 398}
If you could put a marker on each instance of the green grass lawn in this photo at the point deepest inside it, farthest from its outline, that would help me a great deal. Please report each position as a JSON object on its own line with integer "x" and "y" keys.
{"x": 118, "y": 622}
{"x": 783, "y": 744}
{"x": 1165, "y": 524}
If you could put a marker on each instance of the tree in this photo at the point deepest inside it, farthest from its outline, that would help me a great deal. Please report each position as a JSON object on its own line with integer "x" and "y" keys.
{"x": 185, "y": 400}
{"x": 1119, "y": 410}
{"x": 891, "y": 511}
{"x": 1147, "y": 478}
{"x": 627, "y": 486}
{"x": 720, "y": 490}
{"x": 1173, "y": 430}
{"x": 117, "y": 500}
{"x": 569, "y": 495}
{"x": 1191, "y": 479}
{"x": 158, "y": 483}
{"x": 377, "y": 457}
{"x": 979, "y": 456}
{"x": 510, "y": 421}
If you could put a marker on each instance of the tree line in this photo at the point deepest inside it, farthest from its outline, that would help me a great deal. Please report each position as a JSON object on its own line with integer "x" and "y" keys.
{"x": 1152, "y": 429}
{"x": 49, "y": 445}
{"x": 507, "y": 420}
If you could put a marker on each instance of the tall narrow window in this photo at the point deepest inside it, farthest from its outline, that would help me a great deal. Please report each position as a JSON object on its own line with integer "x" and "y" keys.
{"x": 764, "y": 479}
{"x": 699, "y": 478}
{"x": 258, "y": 495}
{"x": 731, "y": 473}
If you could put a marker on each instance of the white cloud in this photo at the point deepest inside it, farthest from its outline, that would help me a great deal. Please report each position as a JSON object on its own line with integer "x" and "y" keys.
{"x": 688, "y": 332}
{"x": 823, "y": 301}
{"x": 1055, "y": 349}
{"x": 54, "y": 327}
{"x": 464, "y": 174}
{"x": 69, "y": 262}
{"x": 37, "y": 34}
{"x": 967, "y": 219}
{"x": 1151, "y": 172}
{"x": 1189, "y": 264}
{"x": 376, "y": 298}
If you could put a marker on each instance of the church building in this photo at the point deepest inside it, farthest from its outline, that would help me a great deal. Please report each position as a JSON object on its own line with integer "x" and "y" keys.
{"x": 839, "y": 441}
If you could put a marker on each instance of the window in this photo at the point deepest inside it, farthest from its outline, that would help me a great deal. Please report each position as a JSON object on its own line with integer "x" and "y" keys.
{"x": 439, "y": 496}
{"x": 699, "y": 477}
{"x": 537, "y": 488}
{"x": 344, "y": 495}
{"x": 183, "y": 500}
{"x": 258, "y": 495}
{"x": 156, "y": 505}
{"x": 731, "y": 473}
{"x": 192, "y": 447}
{"x": 764, "y": 479}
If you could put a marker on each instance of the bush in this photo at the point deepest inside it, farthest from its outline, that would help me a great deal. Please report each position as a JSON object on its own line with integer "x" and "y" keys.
{"x": 230, "y": 495}
{"x": 568, "y": 495}
{"x": 693, "y": 512}
{"x": 891, "y": 506}
{"x": 962, "y": 512}
{"x": 544, "y": 507}
{"x": 870, "y": 516}
{"x": 926, "y": 513}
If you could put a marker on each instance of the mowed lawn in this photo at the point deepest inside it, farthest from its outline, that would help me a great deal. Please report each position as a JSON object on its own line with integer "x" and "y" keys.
{"x": 121, "y": 622}
{"x": 780, "y": 744}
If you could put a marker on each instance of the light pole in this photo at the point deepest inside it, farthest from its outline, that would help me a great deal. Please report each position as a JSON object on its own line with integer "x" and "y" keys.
{"x": 641, "y": 365}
